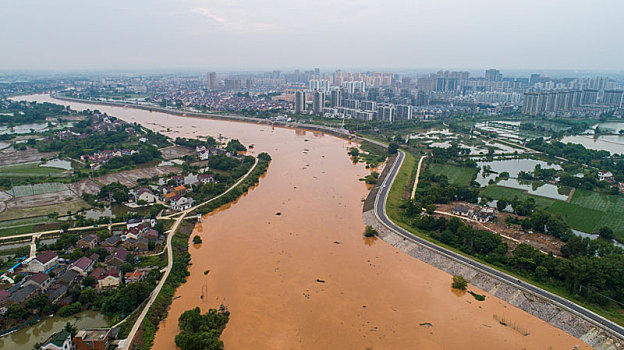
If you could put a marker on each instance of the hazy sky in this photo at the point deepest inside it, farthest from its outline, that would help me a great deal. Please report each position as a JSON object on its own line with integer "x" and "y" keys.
{"x": 265, "y": 34}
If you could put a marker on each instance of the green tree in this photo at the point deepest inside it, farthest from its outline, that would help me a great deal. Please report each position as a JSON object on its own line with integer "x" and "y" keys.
{"x": 501, "y": 205}
{"x": 606, "y": 233}
{"x": 71, "y": 329}
{"x": 459, "y": 282}
{"x": 393, "y": 147}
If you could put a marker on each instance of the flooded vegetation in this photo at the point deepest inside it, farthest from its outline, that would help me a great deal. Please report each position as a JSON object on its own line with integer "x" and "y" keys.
{"x": 307, "y": 279}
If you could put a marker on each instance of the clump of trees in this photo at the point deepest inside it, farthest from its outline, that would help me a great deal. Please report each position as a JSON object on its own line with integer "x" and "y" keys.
{"x": 459, "y": 282}
{"x": 369, "y": 231}
{"x": 199, "y": 331}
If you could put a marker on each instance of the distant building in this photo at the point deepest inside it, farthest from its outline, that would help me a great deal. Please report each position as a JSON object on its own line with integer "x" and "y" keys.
{"x": 300, "y": 102}
{"x": 336, "y": 98}
{"x": 318, "y": 103}
{"x": 213, "y": 84}
{"x": 232, "y": 84}
{"x": 612, "y": 98}
{"x": 493, "y": 75}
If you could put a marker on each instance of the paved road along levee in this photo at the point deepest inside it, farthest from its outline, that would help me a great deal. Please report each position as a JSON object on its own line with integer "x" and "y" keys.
{"x": 380, "y": 213}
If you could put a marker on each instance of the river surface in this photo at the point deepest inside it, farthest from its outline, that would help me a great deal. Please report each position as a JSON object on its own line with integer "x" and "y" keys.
{"x": 25, "y": 338}
{"x": 290, "y": 262}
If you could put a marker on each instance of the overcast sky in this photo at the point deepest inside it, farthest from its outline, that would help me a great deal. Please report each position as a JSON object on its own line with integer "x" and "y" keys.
{"x": 278, "y": 34}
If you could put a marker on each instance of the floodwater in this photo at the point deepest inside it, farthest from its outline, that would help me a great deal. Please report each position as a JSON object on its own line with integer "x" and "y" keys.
{"x": 25, "y": 338}
{"x": 512, "y": 166}
{"x": 306, "y": 278}
{"x": 537, "y": 188}
{"x": 611, "y": 143}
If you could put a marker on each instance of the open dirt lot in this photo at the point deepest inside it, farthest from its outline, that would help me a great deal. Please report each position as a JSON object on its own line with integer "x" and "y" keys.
{"x": 39, "y": 200}
{"x": 10, "y": 156}
{"x": 539, "y": 241}
{"x": 60, "y": 207}
{"x": 84, "y": 186}
{"x": 174, "y": 152}
{"x": 129, "y": 177}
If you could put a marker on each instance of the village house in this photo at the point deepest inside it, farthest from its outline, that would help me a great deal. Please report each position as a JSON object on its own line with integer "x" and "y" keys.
{"x": 82, "y": 265}
{"x": 202, "y": 152}
{"x": 134, "y": 276}
{"x": 205, "y": 178}
{"x": 143, "y": 194}
{"x": 604, "y": 175}
{"x": 117, "y": 258}
{"x": 182, "y": 203}
{"x": 178, "y": 179}
{"x": 69, "y": 277}
{"x": 59, "y": 341}
{"x": 88, "y": 242}
{"x": 108, "y": 280}
{"x": 39, "y": 280}
{"x": 460, "y": 210}
{"x": 111, "y": 241}
{"x": 24, "y": 293}
{"x": 56, "y": 292}
{"x": 43, "y": 262}
{"x": 92, "y": 339}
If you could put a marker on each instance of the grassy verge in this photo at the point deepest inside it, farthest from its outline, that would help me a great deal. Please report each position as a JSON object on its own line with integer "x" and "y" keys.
{"x": 395, "y": 197}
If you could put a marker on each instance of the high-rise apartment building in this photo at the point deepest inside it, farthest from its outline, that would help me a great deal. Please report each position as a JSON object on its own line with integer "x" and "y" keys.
{"x": 232, "y": 84}
{"x": 213, "y": 84}
{"x": 612, "y": 98}
{"x": 318, "y": 102}
{"x": 589, "y": 97}
{"x": 249, "y": 84}
{"x": 493, "y": 75}
{"x": 336, "y": 98}
{"x": 300, "y": 102}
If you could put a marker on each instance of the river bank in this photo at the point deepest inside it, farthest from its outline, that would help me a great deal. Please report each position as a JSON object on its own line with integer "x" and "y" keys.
{"x": 266, "y": 267}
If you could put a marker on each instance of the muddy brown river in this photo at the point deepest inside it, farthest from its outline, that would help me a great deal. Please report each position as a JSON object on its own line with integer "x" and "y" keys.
{"x": 306, "y": 278}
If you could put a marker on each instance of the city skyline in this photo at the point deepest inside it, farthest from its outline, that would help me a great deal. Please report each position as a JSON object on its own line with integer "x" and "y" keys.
{"x": 186, "y": 35}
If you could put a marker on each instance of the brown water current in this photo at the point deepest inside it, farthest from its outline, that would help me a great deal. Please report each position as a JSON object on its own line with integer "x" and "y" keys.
{"x": 307, "y": 278}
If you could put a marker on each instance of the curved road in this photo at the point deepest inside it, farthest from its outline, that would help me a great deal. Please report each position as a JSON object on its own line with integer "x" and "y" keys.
{"x": 380, "y": 213}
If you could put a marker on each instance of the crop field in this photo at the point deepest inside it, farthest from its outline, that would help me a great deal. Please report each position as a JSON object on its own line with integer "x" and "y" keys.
{"x": 508, "y": 194}
{"x": 62, "y": 208}
{"x": 29, "y": 170}
{"x": 36, "y": 189}
{"x": 456, "y": 175}
{"x": 588, "y": 211}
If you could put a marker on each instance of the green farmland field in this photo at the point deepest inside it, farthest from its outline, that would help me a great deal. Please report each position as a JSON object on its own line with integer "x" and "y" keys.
{"x": 455, "y": 174}
{"x": 29, "y": 170}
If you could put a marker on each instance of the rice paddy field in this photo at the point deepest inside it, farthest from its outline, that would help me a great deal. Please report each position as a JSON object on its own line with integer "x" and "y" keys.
{"x": 586, "y": 211}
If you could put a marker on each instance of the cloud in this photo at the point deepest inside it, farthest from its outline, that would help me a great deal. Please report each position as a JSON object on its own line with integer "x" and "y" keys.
{"x": 236, "y": 21}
